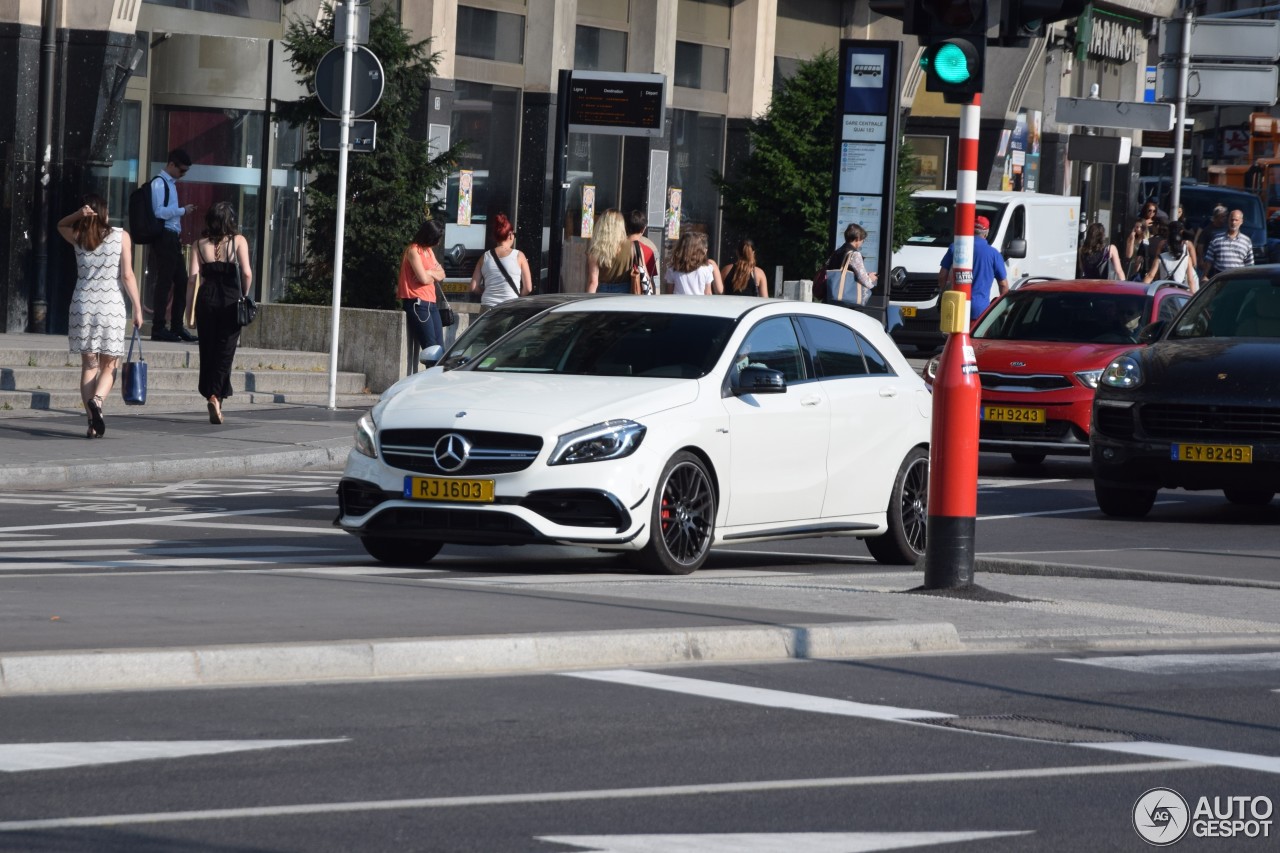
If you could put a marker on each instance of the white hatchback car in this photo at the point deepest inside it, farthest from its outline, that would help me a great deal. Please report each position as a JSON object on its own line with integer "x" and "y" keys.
{"x": 656, "y": 427}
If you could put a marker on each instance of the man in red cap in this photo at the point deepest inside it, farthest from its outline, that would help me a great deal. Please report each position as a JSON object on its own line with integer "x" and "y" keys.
{"x": 988, "y": 268}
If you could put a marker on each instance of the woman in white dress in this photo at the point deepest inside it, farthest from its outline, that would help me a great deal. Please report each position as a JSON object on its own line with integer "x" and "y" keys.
{"x": 104, "y": 264}
{"x": 689, "y": 271}
{"x": 503, "y": 272}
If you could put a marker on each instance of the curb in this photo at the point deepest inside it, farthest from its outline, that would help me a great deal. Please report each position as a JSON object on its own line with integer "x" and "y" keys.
{"x": 34, "y": 673}
{"x": 143, "y": 469}
{"x": 998, "y": 566}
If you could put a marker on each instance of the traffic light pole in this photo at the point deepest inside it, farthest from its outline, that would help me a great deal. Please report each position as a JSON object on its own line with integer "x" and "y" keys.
{"x": 953, "y": 449}
{"x": 339, "y": 234}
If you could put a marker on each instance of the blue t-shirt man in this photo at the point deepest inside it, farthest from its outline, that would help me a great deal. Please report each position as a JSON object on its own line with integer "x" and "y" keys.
{"x": 988, "y": 267}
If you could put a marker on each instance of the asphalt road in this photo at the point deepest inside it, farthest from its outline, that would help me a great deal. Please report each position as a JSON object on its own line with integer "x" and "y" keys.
{"x": 1026, "y": 752}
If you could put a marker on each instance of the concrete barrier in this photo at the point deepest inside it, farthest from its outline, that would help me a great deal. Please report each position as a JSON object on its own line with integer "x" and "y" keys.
{"x": 373, "y": 342}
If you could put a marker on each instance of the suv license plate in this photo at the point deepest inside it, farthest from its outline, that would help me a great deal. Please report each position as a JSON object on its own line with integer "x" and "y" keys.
{"x": 1242, "y": 453}
{"x": 1013, "y": 414}
{"x": 448, "y": 489}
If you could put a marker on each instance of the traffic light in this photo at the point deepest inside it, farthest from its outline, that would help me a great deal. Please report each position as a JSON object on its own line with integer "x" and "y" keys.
{"x": 955, "y": 36}
{"x": 1022, "y": 21}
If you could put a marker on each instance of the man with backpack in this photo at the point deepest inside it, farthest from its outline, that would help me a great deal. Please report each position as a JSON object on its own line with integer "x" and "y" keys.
{"x": 166, "y": 252}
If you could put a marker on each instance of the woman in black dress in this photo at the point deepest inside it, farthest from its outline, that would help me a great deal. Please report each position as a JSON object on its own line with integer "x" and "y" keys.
{"x": 221, "y": 259}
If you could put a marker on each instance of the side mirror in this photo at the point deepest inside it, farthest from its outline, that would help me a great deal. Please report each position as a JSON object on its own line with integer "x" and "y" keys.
{"x": 431, "y": 355}
{"x": 758, "y": 379}
{"x": 1016, "y": 248}
{"x": 1151, "y": 331}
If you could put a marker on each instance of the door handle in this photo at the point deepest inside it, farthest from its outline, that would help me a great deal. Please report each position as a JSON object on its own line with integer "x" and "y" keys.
{"x": 811, "y": 401}
{"x": 888, "y": 392}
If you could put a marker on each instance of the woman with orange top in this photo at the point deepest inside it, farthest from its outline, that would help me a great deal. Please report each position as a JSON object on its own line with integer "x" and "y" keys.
{"x": 420, "y": 274}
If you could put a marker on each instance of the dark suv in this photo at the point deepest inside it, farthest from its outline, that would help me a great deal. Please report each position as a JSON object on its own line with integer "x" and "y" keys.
{"x": 1199, "y": 407}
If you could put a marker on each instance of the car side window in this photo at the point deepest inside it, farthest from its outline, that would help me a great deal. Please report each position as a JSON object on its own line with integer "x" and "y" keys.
{"x": 1017, "y": 228}
{"x": 774, "y": 344}
{"x": 877, "y": 364}
{"x": 1170, "y": 307}
{"x": 834, "y": 348}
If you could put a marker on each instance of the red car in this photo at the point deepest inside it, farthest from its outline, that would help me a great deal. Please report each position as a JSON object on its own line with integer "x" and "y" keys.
{"x": 1041, "y": 349}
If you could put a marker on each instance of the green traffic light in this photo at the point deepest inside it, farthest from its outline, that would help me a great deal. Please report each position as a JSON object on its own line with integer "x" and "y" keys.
{"x": 951, "y": 64}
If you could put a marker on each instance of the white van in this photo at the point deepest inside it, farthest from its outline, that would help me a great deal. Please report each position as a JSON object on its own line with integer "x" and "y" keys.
{"x": 1036, "y": 233}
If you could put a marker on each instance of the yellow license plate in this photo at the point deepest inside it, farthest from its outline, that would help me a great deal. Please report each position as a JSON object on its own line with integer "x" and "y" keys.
{"x": 907, "y": 311}
{"x": 448, "y": 489}
{"x": 1013, "y": 414}
{"x": 1242, "y": 453}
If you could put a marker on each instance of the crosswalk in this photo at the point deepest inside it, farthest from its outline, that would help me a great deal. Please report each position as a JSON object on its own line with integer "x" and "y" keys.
{"x": 149, "y": 497}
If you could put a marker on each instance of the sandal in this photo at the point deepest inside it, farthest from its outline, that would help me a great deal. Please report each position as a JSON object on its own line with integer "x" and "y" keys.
{"x": 96, "y": 422}
{"x": 215, "y": 411}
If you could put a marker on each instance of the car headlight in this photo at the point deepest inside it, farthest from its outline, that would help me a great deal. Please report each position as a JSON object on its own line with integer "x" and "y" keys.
{"x": 367, "y": 436}
{"x": 1124, "y": 372}
{"x": 1088, "y": 378}
{"x": 609, "y": 440}
{"x": 930, "y": 371}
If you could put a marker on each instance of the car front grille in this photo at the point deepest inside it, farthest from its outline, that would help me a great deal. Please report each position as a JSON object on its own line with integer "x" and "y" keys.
{"x": 1059, "y": 431}
{"x": 578, "y": 508}
{"x": 1023, "y": 382}
{"x": 1113, "y": 421}
{"x": 915, "y": 289}
{"x": 1179, "y": 421}
{"x": 491, "y": 452}
{"x": 453, "y": 525}
{"x": 356, "y": 497}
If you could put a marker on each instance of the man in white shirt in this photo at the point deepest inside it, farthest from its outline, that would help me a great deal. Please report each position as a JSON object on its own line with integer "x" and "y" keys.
{"x": 166, "y": 252}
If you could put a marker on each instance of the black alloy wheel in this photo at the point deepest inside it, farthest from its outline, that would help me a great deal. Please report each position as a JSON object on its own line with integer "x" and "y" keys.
{"x": 683, "y": 520}
{"x": 908, "y": 514}
{"x": 400, "y": 552}
{"x": 1249, "y": 497}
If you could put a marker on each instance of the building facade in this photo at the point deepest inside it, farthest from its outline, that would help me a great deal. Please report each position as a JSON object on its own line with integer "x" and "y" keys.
{"x": 103, "y": 89}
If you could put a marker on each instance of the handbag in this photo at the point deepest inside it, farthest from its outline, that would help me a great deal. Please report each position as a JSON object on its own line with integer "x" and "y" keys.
{"x": 246, "y": 307}
{"x": 447, "y": 315}
{"x": 835, "y": 283}
{"x": 133, "y": 374}
{"x": 641, "y": 283}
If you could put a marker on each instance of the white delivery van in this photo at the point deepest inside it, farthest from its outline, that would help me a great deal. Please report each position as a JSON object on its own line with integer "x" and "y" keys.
{"x": 1036, "y": 233}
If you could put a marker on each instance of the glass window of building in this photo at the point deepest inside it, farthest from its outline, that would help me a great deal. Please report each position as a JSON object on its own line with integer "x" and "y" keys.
{"x": 489, "y": 34}
{"x": 708, "y": 19}
{"x": 116, "y": 181}
{"x": 700, "y": 66}
{"x": 597, "y": 49}
{"x": 697, "y": 150}
{"x": 288, "y": 188}
{"x": 263, "y": 10}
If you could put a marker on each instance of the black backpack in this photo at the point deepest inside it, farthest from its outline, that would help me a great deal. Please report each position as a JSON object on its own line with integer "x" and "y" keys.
{"x": 144, "y": 226}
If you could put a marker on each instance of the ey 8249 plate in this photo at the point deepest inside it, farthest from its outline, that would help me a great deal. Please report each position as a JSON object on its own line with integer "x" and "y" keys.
{"x": 448, "y": 489}
{"x": 1013, "y": 414}
{"x": 1241, "y": 453}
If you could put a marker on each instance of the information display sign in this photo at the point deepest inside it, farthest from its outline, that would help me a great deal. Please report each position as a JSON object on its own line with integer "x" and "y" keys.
{"x": 617, "y": 104}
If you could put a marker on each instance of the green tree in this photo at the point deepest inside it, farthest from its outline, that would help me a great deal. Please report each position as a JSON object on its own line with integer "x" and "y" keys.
{"x": 386, "y": 189}
{"x": 780, "y": 196}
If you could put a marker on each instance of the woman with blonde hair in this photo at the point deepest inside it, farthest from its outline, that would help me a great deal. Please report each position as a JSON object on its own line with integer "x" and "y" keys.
{"x": 609, "y": 255}
{"x": 689, "y": 271}
{"x": 104, "y": 263}
{"x": 743, "y": 277}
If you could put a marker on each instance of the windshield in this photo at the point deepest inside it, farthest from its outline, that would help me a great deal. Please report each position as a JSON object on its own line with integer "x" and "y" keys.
{"x": 1232, "y": 308}
{"x": 1075, "y": 317}
{"x": 612, "y": 343}
{"x": 485, "y": 329}
{"x": 936, "y": 218}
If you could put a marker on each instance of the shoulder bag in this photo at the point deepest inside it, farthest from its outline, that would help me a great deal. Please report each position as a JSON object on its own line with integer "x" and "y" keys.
{"x": 641, "y": 283}
{"x": 835, "y": 282}
{"x": 246, "y": 308}
{"x": 133, "y": 374}
{"x": 447, "y": 315}
{"x": 493, "y": 254}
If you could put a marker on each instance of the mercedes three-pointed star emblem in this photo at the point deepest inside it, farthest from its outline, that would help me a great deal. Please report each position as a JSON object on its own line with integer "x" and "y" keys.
{"x": 452, "y": 452}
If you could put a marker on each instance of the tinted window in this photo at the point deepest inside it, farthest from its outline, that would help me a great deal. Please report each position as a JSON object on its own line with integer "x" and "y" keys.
{"x": 876, "y": 362}
{"x": 1069, "y": 316}
{"x": 1235, "y": 307}
{"x": 486, "y": 329}
{"x": 612, "y": 343}
{"x": 835, "y": 348}
{"x": 1170, "y": 307}
{"x": 774, "y": 344}
{"x": 937, "y": 220}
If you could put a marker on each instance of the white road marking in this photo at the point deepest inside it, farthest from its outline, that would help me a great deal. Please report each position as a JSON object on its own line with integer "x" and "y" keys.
{"x": 116, "y": 522}
{"x": 582, "y": 575}
{"x": 19, "y": 757}
{"x": 769, "y": 842}
{"x": 85, "y": 543}
{"x": 300, "y": 529}
{"x": 590, "y": 796}
{"x": 754, "y": 695}
{"x": 1007, "y": 483}
{"x": 888, "y": 713}
{"x": 1056, "y": 512}
{"x": 1176, "y": 664}
{"x": 164, "y": 551}
{"x": 9, "y": 570}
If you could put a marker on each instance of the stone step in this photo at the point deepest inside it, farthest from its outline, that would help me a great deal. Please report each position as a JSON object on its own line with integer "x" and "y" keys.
{"x": 26, "y": 403}
{"x": 185, "y": 379}
{"x": 164, "y": 355}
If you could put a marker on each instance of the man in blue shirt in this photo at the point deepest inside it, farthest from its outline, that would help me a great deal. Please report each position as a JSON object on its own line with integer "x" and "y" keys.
{"x": 988, "y": 268}
{"x": 166, "y": 253}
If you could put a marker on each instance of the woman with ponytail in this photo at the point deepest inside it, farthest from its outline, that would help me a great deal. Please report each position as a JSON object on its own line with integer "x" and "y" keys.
{"x": 743, "y": 277}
